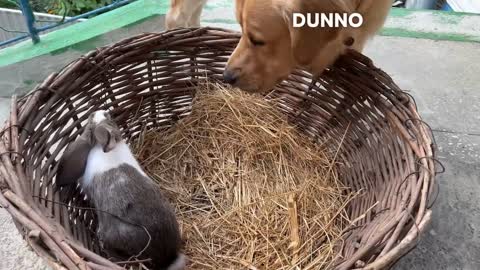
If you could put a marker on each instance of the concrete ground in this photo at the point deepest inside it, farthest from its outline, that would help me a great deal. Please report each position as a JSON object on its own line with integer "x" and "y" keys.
{"x": 444, "y": 77}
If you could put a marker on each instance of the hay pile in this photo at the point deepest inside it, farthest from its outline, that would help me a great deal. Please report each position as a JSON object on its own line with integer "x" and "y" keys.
{"x": 250, "y": 191}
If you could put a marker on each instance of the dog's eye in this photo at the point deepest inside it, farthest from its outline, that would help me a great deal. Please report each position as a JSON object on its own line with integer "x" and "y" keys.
{"x": 255, "y": 41}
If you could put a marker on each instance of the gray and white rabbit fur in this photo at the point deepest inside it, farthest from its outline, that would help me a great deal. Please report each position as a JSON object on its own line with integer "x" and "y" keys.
{"x": 117, "y": 186}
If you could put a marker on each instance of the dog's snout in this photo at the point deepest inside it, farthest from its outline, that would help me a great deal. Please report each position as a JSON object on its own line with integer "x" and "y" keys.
{"x": 230, "y": 76}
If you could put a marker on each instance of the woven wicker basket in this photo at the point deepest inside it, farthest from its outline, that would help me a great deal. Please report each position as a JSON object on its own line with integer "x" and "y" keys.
{"x": 387, "y": 151}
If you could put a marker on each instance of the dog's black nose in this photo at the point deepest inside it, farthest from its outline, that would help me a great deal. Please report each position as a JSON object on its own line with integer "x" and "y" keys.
{"x": 229, "y": 76}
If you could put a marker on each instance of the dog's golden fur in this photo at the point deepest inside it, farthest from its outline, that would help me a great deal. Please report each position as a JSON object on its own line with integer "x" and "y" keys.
{"x": 270, "y": 47}
{"x": 184, "y": 13}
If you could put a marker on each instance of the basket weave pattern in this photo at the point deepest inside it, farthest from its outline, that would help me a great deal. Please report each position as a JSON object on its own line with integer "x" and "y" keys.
{"x": 386, "y": 153}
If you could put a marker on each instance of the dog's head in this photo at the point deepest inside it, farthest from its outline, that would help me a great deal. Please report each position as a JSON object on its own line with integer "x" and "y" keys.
{"x": 270, "y": 47}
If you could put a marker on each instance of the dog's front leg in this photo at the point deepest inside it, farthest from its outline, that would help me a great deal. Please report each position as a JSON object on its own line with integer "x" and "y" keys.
{"x": 195, "y": 18}
{"x": 184, "y": 13}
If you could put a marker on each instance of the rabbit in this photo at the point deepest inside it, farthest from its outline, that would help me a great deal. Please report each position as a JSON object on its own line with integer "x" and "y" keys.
{"x": 128, "y": 204}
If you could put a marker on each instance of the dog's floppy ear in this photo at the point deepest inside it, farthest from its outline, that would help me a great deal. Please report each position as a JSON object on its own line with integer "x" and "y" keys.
{"x": 361, "y": 6}
{"x": 72, "y": 163}
{"x": 307, "y": 41}
{"x": 105, "y": 137}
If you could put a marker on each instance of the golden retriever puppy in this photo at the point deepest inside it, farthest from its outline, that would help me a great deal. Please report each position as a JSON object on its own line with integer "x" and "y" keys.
{"x": 271, "y": 47}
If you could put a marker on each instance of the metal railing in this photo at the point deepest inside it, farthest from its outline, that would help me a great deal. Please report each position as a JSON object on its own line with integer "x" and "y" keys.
{"x": 34, "y": 31}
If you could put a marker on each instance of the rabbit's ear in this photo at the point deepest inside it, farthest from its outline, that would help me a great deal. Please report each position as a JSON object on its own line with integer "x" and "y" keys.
{"x": 105, "y": 137}
{"x": 73, "y": 162}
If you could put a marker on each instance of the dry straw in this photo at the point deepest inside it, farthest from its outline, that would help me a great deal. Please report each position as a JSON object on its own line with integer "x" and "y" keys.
{"x": 250, "y": 190}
